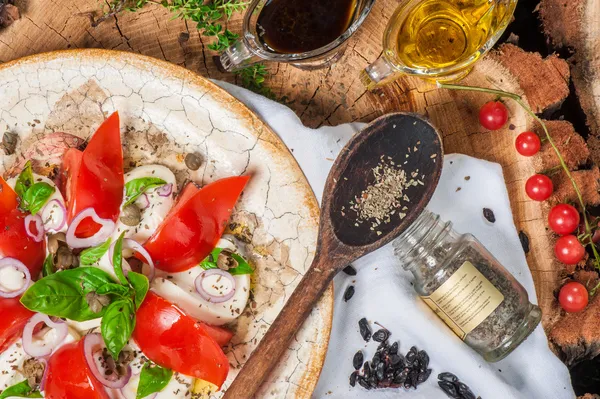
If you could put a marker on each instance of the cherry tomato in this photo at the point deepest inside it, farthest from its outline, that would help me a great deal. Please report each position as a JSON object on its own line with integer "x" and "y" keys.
{"x": 573, "y": 297}
{"x": 193, "y": 227}
{"x": 174, "y": 340}
{"x": 69, "y": 376}
{"x": 563, "y": 219}
{"x": 569, "y": 250}
{"x": 95, "y": 178}
{"x": 493, "y": 115}
{"x": 539, "y": 187}
{"x": 14, "y": 241}
{"x": 13, "y": 317}
{"x": 528, "y": 144}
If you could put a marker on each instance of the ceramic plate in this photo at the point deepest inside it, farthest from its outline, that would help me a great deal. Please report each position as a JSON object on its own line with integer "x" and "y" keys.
{"x": 167, "y": 111}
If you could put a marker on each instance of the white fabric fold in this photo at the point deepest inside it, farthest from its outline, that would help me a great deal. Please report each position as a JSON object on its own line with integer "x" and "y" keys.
{"x": 383, "y": 291}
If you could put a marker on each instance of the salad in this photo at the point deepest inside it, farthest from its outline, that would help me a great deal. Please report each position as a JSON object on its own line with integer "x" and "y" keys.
{"x": 114, "y": 284}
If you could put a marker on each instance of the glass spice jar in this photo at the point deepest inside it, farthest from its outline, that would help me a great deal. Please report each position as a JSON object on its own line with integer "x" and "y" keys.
{"x": 467, "y": 287}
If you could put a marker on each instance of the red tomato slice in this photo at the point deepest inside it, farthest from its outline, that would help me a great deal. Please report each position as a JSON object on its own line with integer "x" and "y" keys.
{"x": 221, "y": 335}
{"x": 13, "y": 317}
{"x": 14, "y": 241}
{"x": 192, "y": 229}
{"x": 172, "y": 339}
{"x": 99, "y": 182}
{"x": 68, "y": 172}
{"x": 69, "y": 376}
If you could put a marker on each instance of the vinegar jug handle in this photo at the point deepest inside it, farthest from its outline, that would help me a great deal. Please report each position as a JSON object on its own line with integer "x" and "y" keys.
{"x": 235, "y": 57}
{"x": 378, "y": 73}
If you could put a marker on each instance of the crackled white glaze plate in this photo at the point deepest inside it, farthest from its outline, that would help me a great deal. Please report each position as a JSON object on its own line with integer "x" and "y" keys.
{"x": 167, "y": 111}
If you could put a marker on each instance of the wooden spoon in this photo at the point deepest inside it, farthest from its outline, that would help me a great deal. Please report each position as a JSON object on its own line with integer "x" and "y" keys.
{"x": 408, "y": 141}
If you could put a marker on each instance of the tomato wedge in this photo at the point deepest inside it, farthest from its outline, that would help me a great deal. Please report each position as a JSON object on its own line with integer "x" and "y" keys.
{"x": 193, "y": 227}
{"x": 69, "y": 376}
{"x": 95, "y": 180}
{"x": 14, "y": 241}
{"x": 221, "y": 335}
{"x": 13, "y": 317}
{"x": 172, "y": 339}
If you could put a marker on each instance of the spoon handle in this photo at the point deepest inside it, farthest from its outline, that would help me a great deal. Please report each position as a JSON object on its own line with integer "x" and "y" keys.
{"x": 275, "y": 342}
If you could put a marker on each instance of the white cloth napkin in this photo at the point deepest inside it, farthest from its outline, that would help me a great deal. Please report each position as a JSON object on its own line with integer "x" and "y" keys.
{"x": 384, "y": 292}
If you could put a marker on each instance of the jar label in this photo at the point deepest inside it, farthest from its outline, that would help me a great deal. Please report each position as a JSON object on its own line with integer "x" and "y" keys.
{"x": 465, "y": 300}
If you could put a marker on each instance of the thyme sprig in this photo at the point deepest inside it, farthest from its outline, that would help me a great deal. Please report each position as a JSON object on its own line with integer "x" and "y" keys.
{"x": 588, "y": 235}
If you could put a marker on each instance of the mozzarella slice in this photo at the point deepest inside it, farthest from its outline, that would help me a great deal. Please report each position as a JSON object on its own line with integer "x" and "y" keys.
{"x": 158, "y": 206}
{"x": 180, "y": 289}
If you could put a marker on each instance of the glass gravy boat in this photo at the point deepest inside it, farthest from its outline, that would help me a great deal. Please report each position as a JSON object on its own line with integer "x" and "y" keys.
{"x": 249, "y": 49}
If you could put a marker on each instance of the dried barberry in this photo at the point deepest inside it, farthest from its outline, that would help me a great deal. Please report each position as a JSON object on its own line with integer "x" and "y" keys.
{"x": 365, "y": 329}
{"x": 353, "y": 378}
{"x": 449, "y": 389}
{"x": 349, "y": 293}
{"x": 357, "y": 361}
{"x": 350, "y": 270}
{"x": 381, "y": 335}
{"x": 488, "y": 214}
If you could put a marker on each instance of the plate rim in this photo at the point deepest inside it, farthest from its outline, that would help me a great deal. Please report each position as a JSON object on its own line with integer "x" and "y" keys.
{"x": 311, "y": 376}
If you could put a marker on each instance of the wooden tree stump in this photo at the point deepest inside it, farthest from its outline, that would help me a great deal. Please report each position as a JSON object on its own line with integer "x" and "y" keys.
{"x": 335, "y": 95}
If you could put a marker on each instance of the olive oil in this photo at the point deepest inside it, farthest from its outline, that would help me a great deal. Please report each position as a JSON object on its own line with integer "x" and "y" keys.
{"x": 445, "y": 33}
{"x": 298, "y": 26}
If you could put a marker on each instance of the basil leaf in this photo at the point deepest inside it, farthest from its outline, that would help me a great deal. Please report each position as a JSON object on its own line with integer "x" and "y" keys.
{"x": 24, "y": 181}
{"x": 153, "y": 379}
{"x": 114, "y": 289}
{"x": 91, "y": 256}
{"x": 63, "y": 294}
{"x": 243, "y": 266}
{"x": 117, "y": 259}
{"x": 21, "y": 390}
{"x": 117, "y": 325}
{"x": 37, "y": 196}
{"x": 140, "y": 284}
{"x": 48, "y": 267}
{"x": 136, "y": 187}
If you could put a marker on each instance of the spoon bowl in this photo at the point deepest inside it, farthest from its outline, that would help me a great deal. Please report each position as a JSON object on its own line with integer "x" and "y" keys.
{"x": 390, "y": 169}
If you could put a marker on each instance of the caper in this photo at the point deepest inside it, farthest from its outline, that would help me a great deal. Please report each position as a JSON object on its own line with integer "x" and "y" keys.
{"x": 193, "y": 161}
{"x": 131, "y": 215}
{"x": 225, "y": 261}
{"x": 64, "y": 258}
{"x": 54, "y": 241}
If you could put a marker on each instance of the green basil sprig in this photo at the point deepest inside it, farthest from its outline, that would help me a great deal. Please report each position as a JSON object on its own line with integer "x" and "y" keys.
{"x": 64, "y": 294}
{"x": 33, "y": 195}
{"x": 21, "y": 390}
{"x": 117, "y": 325}
{"x": 48, "y": 267}
{"x": 91, "y": 256}
{"x": 153, "y": 378}
{"x": 243, "y": 266}
{"x": 137, "y": 187}
{"x": 117, "y": 260}
{"x": 140, "y": 285}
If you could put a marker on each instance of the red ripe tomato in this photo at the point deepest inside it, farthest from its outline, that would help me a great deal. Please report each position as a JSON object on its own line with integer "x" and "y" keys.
{"x": 14, "y": 241}
{"x": 573, "y": 297}
{"x": 193, "y": 227}
{"x": 95, "y": 178}
{"x": 13, "y": 317}
{"x": 528, "y": 144}
{"x": 69, "y": 376}
{"x": 221, "y": 335}
{"x": 569, "y": 250}
{"x": 174, "y": 340}
{"x": 493, "y": 115}
{"x": 539, "y": 187}
{"x": 563, "y": 219}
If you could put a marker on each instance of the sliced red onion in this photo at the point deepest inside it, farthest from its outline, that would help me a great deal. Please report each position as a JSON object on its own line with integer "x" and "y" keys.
{"x": 42, "y": 349}
{"x": 17, "y": 264}
{"x": 214, "y": 298}
{"x": 143, "y": 202}
{"x": 165, "y": 191}
{"x": 45, "y": 375}
{"x": 53, "y": 208}
{"x": 129, "y": 243}
{"x": 105, "y": 231}
{"x": 92, "y": 347}
{"x": 39, "y": 226}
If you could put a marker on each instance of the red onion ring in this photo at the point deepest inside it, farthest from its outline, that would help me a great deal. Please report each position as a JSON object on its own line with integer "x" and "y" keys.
{"x": 43, "y": 349}
{"x": 213, "y": 298}
{"x": 39, "y": 226}
{"x": 144, "y": 202}
{"x": 17, "y": 264}
{"x": 129, "y": 243}
{"x": 105, "y": 231}
{"x": 92, "y": 344}
{"x": 45, "y": 375}
{"x": 165, "y": 190}
{"x": 50, "y": 207}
